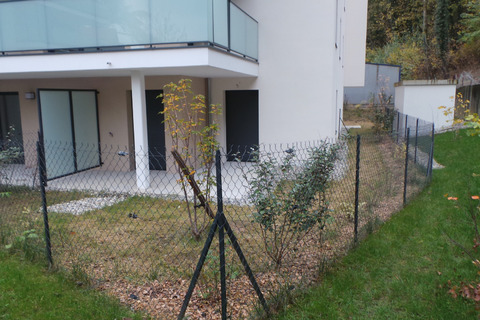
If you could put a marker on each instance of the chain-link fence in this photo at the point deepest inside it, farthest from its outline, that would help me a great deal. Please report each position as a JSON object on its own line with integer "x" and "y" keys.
{"x": 286, "y": 211}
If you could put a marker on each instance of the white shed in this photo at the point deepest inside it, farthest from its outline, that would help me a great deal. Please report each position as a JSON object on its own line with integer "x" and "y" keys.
{"x": 422, "y": 99}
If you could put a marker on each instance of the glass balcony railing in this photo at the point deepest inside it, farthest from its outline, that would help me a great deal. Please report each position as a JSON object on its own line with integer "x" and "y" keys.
{"x": 54, "y": 25}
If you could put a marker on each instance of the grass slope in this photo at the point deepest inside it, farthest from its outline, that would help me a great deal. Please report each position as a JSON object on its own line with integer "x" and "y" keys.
{"x": 27, "y": 291}
{"x": 402, "y": 271}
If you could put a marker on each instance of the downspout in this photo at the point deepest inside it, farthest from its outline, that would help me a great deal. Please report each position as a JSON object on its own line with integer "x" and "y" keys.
{"x": 208, "y": 92}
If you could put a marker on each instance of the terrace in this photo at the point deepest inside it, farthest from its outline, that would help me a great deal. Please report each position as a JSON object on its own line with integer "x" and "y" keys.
{"x": 163, "y": 184}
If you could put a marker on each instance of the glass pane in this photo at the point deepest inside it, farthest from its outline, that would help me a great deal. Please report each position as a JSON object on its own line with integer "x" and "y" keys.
{"x": 123, "y": 22}
{"x": 22, "y": 25}
{"x": 210, "y": 16}
{"x": 86, "y": 129}
{"x": 237, "y": 29}
{"x": 252, "y": 38}
{"x": 220, "y": 22}
{"x": 179, "y": 21}
{"x": 243, "y": 32}
{"x": 14, "y": 119}
{"x": 70, "y": 23}
{"x": 57, "y": 132}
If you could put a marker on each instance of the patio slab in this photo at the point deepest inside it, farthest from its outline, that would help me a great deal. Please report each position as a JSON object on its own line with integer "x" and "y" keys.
{"x": 162, "y": 183}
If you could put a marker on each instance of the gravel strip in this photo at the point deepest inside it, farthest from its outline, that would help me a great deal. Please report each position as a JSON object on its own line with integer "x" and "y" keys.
{"x": 78, "y": 207}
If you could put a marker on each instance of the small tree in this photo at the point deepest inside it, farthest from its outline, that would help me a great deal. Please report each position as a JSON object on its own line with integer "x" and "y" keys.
{"x": 289, "y": 200}
{"x": 193, "y": 130}
{"x": 382, "y": 107}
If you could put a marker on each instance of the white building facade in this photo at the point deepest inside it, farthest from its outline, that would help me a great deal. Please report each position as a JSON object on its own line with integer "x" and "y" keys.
{"x": 278, "y": 68}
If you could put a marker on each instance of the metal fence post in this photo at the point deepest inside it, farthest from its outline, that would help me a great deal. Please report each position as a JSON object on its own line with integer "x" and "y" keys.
{"x": 43, "y": 182}
{"x": 398, "y": 124}
{"x": 406, "y": 168}
{"x": 221, "y": 235}
{"x": 430, "y": 163}
{"x": 357, "y": 186}
{"x": 199, "y": 267}
{"x": 406, "y": 125}
{"x": 416, "y": 142}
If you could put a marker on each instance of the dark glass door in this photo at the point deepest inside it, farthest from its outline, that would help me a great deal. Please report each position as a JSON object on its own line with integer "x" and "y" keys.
{"x": 156, "y": 130}
{"x": 242, "y": 124}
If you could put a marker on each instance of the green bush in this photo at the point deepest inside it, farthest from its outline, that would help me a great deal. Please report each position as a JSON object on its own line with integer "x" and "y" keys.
{"x": 288, "y": 195}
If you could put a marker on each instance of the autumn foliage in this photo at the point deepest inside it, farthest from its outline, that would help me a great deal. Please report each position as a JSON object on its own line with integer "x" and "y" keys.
{"x": 193, "y": 131}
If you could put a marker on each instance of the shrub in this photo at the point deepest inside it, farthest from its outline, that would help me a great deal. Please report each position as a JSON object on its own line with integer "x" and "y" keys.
{"x": 29, "y": 244}
{"x": 383, "y": 113}
{"x": 289, "y": 197}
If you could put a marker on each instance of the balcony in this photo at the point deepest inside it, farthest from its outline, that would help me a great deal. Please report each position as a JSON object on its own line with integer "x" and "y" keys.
{"x": 72, "y": 26}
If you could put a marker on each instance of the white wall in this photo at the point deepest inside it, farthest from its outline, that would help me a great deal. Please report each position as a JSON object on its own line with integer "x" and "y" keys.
{"x": 422, "y": 99}
{"x": 355, "y": 39}
{"x": 299, "y": 70}
{"x": 338, "y": 65}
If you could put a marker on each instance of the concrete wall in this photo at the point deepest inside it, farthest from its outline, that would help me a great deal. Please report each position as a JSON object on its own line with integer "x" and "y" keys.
{"x": 422, "y": 99}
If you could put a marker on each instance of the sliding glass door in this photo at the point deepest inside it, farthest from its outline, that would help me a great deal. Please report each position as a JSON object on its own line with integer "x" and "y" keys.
{"x": 85, "y": 121}
{"x": 69, "y": 126}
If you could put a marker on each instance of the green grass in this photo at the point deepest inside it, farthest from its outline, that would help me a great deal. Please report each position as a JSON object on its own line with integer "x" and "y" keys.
{"x": 402, "y": 271}
{"x": 28, "y": 291}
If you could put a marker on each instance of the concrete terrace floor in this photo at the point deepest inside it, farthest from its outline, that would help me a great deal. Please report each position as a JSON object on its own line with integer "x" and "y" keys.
{"x": 162, "y": 183}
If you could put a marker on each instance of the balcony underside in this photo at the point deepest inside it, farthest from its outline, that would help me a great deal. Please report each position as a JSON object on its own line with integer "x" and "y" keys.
{"x": 204, "y": 62}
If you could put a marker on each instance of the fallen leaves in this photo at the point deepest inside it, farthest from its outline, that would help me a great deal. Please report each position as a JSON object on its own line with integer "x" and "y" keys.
{"x": 469, "y": 291}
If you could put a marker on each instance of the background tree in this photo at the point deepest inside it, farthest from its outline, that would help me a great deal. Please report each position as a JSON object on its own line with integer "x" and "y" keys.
{"x": 424, "y": 36}
{"x": 471, "y": 22}
{"x": 442, "y": 32}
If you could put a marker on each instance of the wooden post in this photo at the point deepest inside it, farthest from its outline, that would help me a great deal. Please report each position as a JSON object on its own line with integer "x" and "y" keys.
{"x": 191, "y": 180}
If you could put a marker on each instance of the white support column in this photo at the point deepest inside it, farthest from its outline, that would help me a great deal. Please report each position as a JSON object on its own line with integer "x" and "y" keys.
{"x": 140, "y": 130}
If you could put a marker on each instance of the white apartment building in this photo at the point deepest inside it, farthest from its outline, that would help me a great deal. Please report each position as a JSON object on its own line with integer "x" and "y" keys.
{"x": 88, "y": 72}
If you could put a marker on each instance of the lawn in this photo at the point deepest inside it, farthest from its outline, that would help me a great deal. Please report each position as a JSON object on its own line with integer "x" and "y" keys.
{"x": 406, "y": 269}
{"x": 28, "y": 291}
